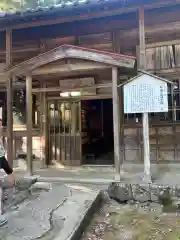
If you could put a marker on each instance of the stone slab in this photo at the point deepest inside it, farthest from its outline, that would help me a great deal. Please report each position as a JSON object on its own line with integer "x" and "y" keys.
{"x": 78, "y": 180}
{"x": 56, "y": 213}
{"x": 124, "y": 192}
{"x": 83, "y": 204}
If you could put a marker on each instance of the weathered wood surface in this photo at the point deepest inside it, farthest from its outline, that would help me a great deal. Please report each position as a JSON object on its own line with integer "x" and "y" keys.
{"x": 29, "y": 123}
{"x": 61, "y": 68}
{"x": 164, "y": 144}
{"x": 28, "y": 49}
{"x": 145, "y": 116}
{"x": 70, "y": 51}
{"x": 96, "y": 34}
{"x": 163, "y": 57}
{"x": 65, "y": 68}
{"x": 67, "y": 89}
{"x": 116, "y": 122}
{"x": 9, "y": 98}
{"x": 177, "y": 55}
{"x": 99, "y": 13}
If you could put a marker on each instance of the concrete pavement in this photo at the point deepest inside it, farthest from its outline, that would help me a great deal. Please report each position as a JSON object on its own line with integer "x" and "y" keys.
{"x": 56, "y": 213}
{"x": 167, "y": 173}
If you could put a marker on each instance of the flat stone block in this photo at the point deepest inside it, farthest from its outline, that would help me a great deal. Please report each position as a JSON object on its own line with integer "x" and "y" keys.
{"x": 159, "y": 193}
{"x": 123, "y": 192}
{"x": 41, "y": 186}
{"x": 120, "y": 192}
{"x": 57, "y": 214}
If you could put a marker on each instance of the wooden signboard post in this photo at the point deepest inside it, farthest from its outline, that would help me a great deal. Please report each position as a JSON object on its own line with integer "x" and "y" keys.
{"x": 146, "y": 93}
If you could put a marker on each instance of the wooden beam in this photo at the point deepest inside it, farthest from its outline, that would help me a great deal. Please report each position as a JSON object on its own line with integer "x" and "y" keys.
{"x": 9, "y": 99}
{"x": 116, "y": 126}
{"x": 53, "y": 69}
{"x": 90, "y": 97}
{"x": 158, "y": 28}
{"x": 168, "y": 73}
{"x": 29, "y": 124}
{"x": 60, "y": 89}
{"x": 94, "y": 15}
{"x": 163, "y": 43}
{"x": 72, "y": 19}
{"x": 22, "y": 50}
{"x": 62, "y": 69}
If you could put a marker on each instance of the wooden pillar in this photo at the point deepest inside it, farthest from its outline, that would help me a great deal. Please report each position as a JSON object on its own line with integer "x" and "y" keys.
{"x": 43, "y": 117}
{"x": 121, "y": 125}
{"x": 116, "y": 122}
{"x": 142, "y": 46}
{"x": 40, "y": 116}
{"x": 29, "y": 124}
{"x": 10, "y": 154}
{"x": 74, "y": 118}
{"x": 9, "y": 99}
{"x": 145, "y": 117}
{"x": 44, "y": 128}
{"x": 117, "y": 48}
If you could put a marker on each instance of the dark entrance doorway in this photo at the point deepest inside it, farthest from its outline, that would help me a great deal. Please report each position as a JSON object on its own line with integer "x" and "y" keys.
{"x": 97, "y": 132}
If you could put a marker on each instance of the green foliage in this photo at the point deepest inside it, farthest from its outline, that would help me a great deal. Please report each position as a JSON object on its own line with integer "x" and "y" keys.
{"x": 9, "y": 5}
{"x": 15, "y": 5}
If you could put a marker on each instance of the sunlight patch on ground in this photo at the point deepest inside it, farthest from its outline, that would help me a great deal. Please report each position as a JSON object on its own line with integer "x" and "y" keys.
{"x": 79, "y": 188}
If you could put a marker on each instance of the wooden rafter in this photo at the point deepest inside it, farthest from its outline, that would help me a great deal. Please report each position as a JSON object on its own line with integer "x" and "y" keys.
{"x": 86, "y": 16}
{"x": 60, "y": 89}
{"x": 71, "y": 51}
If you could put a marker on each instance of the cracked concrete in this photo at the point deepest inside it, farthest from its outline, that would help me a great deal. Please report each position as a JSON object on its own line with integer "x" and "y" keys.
{"x": 53, "y": 214}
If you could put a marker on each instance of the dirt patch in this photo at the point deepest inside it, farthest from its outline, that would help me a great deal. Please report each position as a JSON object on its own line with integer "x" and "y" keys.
{"x": 133, "y": 222}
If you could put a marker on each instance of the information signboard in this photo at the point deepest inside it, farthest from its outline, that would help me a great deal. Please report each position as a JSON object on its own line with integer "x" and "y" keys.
{"x": 145, "y": 94}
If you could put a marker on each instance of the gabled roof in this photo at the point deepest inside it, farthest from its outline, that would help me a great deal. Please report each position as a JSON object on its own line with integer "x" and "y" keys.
{"x": 141, "y": 72}
{"x": 71, "y": 51}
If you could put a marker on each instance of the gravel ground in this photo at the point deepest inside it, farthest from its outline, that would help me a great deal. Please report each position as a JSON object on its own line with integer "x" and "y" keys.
{"x": 133, "y": 222}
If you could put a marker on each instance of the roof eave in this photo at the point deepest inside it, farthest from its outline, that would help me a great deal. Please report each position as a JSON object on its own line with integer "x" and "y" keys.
{"x": 71, "y": 51}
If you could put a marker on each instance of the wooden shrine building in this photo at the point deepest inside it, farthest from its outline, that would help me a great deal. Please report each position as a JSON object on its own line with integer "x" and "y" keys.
{"x": 59, "y": 71}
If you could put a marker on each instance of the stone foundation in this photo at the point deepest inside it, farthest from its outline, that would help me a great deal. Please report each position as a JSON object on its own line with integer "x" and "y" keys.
{"x": 123, "y": 192}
